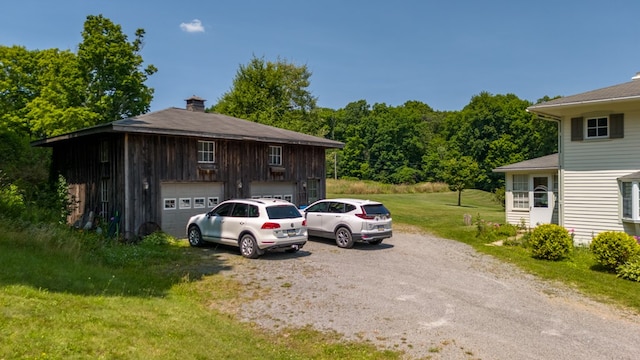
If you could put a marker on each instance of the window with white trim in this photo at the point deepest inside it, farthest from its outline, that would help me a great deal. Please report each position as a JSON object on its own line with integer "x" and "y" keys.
{"x": 597, "y": 127}
{"x": 206, "y": 152}
{"x": 626, "y": 190}
{"x": 630, "y": 199}
{"x": 520, "y": 191}
{"x": 275, "y": 155}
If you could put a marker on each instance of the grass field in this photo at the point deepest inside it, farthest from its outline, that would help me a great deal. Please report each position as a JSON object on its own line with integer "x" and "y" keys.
{"x": 66, "y": 294}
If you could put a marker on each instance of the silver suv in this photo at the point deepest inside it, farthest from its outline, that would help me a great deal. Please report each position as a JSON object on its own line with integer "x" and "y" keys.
{"x": 348, "y": 221}
{"x": 254, "y": 225}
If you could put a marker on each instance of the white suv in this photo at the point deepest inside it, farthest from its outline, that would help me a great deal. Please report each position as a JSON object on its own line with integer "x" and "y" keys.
{"x": 254, "y": 225}
{"x": 348, "y": 221}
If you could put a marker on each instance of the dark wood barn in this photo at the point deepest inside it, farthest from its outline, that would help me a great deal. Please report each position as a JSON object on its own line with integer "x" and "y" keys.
{"x": 162, "y": 167}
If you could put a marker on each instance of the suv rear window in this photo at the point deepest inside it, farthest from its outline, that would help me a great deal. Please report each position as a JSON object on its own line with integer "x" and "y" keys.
{"x": 283, "y": 212}
{"x": 377, "y": 209}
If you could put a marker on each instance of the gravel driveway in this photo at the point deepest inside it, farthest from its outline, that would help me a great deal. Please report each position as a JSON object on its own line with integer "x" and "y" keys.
{"x": 431, "y": 298}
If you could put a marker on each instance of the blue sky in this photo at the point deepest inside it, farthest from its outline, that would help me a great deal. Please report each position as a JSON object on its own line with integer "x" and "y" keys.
{"x": 438, "y": 52}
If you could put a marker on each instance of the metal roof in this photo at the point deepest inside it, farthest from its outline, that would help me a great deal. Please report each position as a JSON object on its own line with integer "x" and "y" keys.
{"x": 549, "y": 162}
{"x": 181, "y": 122}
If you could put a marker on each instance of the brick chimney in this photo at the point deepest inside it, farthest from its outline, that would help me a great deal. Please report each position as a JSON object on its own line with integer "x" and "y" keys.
{"x": 195, "y": 103}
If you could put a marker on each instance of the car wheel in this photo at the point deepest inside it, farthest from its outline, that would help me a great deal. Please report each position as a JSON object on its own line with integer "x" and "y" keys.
{"x": 194, "y": 235}
{"x": 248, "y": 246}
{"x": 375, "y": 242}
{"x": 344, "y": 239}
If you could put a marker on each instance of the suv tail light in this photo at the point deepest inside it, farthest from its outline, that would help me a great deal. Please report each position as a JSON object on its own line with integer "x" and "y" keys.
{"x": 270, "y": 226}
{"x": 365, "y": 216}
{"x": 304, "y": 222}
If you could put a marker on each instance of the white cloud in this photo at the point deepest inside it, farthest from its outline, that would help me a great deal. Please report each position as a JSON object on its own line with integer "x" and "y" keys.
{"x": 194, "y": 26}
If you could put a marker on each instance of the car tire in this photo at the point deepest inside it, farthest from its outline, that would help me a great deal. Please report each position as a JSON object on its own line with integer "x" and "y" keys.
{"x": 195, "y": 236}
{"x": 375, "y": 242}
{"x": 249, "y": 246}
{"x": 344, "y": 239}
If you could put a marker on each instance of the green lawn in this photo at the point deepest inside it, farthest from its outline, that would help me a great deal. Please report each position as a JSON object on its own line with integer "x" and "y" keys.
{"x": 65, "y": 294}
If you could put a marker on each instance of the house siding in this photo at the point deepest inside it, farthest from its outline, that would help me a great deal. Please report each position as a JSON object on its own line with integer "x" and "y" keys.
{"x": 590, "y": 168}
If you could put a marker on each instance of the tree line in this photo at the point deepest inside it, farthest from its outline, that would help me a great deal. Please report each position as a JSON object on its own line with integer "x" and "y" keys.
{"x": 51, "y": 92}
{"x": 403, "y": 144}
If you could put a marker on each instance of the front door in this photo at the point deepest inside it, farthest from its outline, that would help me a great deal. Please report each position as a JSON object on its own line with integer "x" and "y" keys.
{"x": 542, "y": 200}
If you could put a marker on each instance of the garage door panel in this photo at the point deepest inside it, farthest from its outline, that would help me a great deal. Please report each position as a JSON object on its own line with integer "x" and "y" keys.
{"x": 180, "y": 201}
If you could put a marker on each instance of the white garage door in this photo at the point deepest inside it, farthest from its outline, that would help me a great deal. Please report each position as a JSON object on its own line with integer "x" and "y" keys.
{"x": 180, "y": 201}
{"x": 278, "y": 190}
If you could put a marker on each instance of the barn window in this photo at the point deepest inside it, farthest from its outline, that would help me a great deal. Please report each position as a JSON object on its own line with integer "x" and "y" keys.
{"x": 104, "y": 151}
{"x": 520, "y": 192}
{"x": 206, "y": 152}
{"x": 275, "y": 155}
{"x": 104, "y": 198}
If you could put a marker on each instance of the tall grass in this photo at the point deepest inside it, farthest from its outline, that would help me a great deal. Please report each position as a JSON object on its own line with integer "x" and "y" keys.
{"x": 361, "y": 187}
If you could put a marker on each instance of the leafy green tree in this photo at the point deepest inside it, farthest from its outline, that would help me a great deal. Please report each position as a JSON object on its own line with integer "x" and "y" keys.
{"x": 495, "y": 130}
{"x": 461, "y": 173}
{"x": 273, "y": 93}
{"x": 112, "y": 70}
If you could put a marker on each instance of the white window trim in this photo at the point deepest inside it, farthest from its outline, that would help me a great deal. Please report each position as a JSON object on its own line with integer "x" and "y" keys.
{"x": 635, "y": 201}
{"x": 586, "y": 127}
{"x": 275, "y": 155}
{"x": 520, "y": 196}
{"x": 169, "y": 203}
{"x": 206, "y": 155}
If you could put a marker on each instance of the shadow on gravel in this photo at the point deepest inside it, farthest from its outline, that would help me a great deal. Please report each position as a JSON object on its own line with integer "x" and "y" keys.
{"x": 278, "y": 254}
{"x": 356, "y": 246}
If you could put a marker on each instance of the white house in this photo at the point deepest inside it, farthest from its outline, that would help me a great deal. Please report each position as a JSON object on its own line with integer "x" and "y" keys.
{"x": 531, "y": 191}
{"x": 598, "y": 159}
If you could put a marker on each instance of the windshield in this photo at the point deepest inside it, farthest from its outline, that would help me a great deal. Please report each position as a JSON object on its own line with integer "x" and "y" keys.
{"x": 283, "y": 212}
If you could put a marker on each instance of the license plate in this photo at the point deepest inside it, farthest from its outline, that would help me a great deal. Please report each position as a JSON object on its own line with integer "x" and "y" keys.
{"x": 291, "y": 232}
{"x": 380, "y": 227}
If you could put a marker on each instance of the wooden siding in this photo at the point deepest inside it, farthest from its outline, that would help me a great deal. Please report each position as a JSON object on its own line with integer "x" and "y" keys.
{"x": 80, "y": 163}
{"x": 135, "y": 182}
{"x": 590, "y": 198}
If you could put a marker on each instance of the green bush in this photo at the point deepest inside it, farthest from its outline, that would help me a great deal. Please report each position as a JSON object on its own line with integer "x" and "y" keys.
{"x": 550, "y": 242}
{"x": 614, "y": 248}
{"x": 630, "y": 270}
{"x": 11, "y": 201}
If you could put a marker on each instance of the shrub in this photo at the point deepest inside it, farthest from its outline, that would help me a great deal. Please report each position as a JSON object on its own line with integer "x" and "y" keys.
{"x": 550, "y": 242}
{"x": 630, "y": 270}
{"x": 158, "y": 238}
{"x": 613, "y": 248}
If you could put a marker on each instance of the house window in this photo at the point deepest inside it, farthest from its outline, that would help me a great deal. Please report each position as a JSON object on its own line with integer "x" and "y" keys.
{"x": 275, "y": 155}
{"x": 597, "y": 127}
{"x": 520, "y": 192}
{"x": 206, "y": 152}
{"x": 627, "y": 200}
